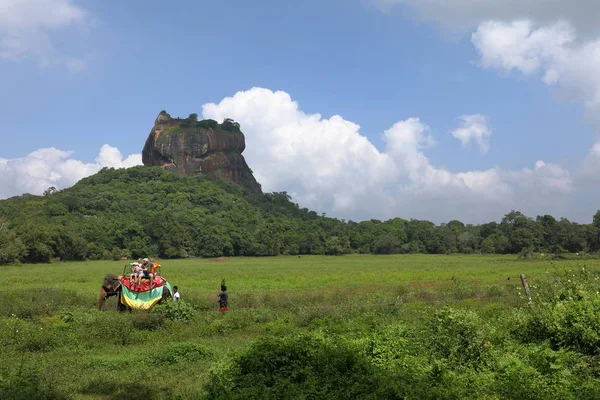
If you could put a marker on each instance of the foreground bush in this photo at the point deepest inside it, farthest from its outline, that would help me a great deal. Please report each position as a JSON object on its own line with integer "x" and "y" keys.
{"x": 301, "y": 367}
{"x": 176, "y": 311}
{"x": 566, "y": 312}
{"x": 459, "y": 336}
{"x": 26, "y": 383}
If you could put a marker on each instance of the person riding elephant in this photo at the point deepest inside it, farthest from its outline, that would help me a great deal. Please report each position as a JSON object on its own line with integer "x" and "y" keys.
{"x": 147, "y": 271}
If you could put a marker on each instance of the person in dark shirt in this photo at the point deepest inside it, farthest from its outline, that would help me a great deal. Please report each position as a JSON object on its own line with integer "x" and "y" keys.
{"x": 147, "y": 269}
{"x": 223, "y": 297}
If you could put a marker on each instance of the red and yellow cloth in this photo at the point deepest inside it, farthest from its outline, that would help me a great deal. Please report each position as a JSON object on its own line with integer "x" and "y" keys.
{"x": 143, "y": 298}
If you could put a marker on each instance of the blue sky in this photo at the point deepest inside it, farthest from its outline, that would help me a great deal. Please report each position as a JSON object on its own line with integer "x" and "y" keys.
{"x": 109, "y": 67}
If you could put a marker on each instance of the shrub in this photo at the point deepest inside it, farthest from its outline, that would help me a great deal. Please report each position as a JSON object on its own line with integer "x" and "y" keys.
{"x": 26, "y": 383}
{"x": 461, "y": 290}
{"x": 183, "y": 353}
{"x": 571, "y": 324}
{"x": 566, "y": 312}
{"x": 106, "y": 328}
{"x": 387, "y": 347}
{"x": 207, "y": 123}
{"x": 148, "y": 321}
{"x": 306, "y": 366}
{"x": 459, "y": 336}
{"x": 106, "y": 384}
{"x": 516, "y": 379}
{"x": 176, "y": 311}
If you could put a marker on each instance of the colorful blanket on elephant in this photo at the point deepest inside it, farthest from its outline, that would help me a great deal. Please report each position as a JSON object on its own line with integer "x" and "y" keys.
{"x": 145, "y": 285}
{"x": 142, "y": 298}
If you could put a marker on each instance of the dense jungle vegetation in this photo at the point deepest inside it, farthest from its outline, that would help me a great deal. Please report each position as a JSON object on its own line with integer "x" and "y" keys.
{"x": 145, "y": 211}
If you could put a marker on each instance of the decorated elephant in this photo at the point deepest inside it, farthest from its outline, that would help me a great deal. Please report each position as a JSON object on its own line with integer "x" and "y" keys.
{"x": 130, "y": 298}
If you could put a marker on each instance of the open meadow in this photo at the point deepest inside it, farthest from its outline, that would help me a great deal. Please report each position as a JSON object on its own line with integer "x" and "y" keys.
{"x": 356, "y": 326}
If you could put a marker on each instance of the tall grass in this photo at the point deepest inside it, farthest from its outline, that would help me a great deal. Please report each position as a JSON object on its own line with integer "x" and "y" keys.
{"x": 450, "y": 326}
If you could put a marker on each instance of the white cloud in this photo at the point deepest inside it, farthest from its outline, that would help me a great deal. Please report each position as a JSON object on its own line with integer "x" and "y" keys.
{"x": 324, "y": 163}
{"x": 111, "y": 157}
{"x": 475, "y": 128}
{"x": 549, "y": 51}
{"x": 557, "y": 39}
{"x": 517, "y": 46}
{"x": 327, "y": 165}
{"x": 47, "y": 167}
{"x": 27, "y": 26}
{"x": 467, "y": 14}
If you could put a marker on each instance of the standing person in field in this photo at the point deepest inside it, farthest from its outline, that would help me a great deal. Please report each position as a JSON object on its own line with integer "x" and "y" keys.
{"x": 223, "y": 297}
{"x": 176, "y": 295}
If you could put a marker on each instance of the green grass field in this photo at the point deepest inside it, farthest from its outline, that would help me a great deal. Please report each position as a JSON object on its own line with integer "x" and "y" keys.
{"x": 53, "y": 337}
{"x": 306, "y": 273}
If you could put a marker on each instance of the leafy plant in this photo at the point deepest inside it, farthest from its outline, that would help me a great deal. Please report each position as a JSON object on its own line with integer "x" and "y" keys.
{"x": 183, "y": 353}
{"x": 460, "y": 336}
{"x": 302, "y": 366}
{"x": 175, "y": 311}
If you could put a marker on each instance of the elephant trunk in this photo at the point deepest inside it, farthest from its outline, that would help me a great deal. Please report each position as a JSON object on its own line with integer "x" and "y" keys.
{"x": 110, "y": 286}
{"x": 101, "y": 298}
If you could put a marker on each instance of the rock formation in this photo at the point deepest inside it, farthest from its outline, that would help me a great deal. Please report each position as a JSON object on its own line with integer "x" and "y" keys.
{"x": 203, "y": 147}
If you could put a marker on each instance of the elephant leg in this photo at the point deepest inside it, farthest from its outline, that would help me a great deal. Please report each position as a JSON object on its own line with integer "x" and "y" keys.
{"x": 120, "y": 306}
{"x": 165, "y": 295}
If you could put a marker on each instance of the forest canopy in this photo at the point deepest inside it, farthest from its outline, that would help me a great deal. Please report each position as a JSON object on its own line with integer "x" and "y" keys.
{"x": 147, "y": 211}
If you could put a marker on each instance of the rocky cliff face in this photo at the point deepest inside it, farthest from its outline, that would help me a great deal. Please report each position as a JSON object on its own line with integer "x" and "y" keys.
{"x": 199, "y": 147}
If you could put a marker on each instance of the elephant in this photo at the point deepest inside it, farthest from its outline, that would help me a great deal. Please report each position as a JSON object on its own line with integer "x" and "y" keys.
{"x": 111, "y": 286}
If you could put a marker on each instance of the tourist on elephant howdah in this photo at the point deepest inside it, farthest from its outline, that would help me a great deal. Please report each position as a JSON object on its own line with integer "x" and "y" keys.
{"x": 135, "y": 270}
{"x": 155, "y": 266}
{"x": 146, "y": 272}
{"x": 223, "y": 297}
{"x": 137, "y": 275}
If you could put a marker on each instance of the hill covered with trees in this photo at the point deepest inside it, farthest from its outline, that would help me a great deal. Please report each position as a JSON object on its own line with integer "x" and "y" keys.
{"x": 145, "y": 211}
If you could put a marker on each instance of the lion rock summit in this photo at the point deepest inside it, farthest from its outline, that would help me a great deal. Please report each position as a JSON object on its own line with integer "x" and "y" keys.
{"x": 191, "y": 147}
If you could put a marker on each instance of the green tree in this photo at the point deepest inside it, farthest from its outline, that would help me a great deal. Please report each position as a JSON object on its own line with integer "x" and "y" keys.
{"x": 386, "y": 244}
{"x": 522, "y": 238}
{"x": 521, "y": 231}
{"x": 495, "y": 243}
{"x": 12, "y": 249}
{"x": 456, "y": 226}
{"x": 173, "y": 216}
{"x": 335, "y": 246}
{"x": 50, "y": 191}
